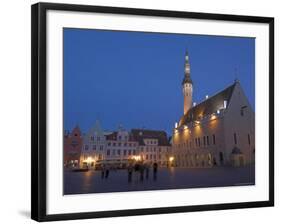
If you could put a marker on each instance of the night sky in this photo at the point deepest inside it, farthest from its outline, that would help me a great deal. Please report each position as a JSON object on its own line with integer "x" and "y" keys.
{"x": 134, "y": 79}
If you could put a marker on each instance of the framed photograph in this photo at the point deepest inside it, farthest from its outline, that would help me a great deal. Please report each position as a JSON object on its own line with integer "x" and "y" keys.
{"x": 139, "y": 111}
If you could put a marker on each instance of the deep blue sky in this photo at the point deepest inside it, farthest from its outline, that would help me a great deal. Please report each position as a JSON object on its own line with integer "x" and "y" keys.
{"x": 134, "y": 78}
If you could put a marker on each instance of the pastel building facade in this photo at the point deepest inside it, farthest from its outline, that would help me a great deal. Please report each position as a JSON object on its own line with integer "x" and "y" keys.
{"x": 153, "y": 146}
{"x": 94, "y": 146}
{"x": 73, "y": 143}
{"x": 120, "y": 147}
{"x": 218, "y": 131}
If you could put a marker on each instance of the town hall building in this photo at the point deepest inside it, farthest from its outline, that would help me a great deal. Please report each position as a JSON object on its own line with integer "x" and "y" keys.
{"x": 218, "y": 131}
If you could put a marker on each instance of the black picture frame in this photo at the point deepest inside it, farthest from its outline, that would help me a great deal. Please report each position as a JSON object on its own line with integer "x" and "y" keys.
{"x": 38, "y": 108}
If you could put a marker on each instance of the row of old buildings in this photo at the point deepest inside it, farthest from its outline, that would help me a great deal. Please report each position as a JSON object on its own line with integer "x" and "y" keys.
{"x": 218, "y": 131}
{"x": 116, "y": 148}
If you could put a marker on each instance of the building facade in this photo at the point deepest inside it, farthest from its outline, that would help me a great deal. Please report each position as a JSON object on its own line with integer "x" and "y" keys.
{"x": 218, "y": 131}
{"x": 118, "y": 148}
{"x": 121, "y": 147}
{"x": 153, "y": 146}
{"x": 94, "y": 146}
{"x": 73, "y": 143}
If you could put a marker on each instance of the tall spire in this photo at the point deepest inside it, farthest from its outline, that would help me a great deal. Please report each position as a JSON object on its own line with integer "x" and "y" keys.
{"x": 187, "y": 86}
{"x": 187, "y": 78}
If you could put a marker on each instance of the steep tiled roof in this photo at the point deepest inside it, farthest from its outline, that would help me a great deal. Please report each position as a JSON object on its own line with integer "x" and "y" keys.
{"x": 207, "y": 107}
{"x": 141, "y": 134}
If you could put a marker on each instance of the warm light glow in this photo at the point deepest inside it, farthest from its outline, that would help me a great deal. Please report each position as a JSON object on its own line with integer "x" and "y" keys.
{"x": 171, "y": 159}
{"x": 136, "y": 158}
{"x": 197, "y": 122}
{"x": 185, "y": 127}
{"x": 89, "y": 160}
{"x": 213, "y": 117}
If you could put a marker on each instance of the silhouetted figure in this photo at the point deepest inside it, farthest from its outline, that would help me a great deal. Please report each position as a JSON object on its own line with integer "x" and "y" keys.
{"x": 137, "y": 167}
{"x": 146, "y": 171}
{"x": 130, "y": 173}
{"x": 214, "y": 162}
{"x": 141, "y": 169}
{"x": 102, "y": 172}
{"x": 106, "y": 172}
{"x": 155, "y": 169}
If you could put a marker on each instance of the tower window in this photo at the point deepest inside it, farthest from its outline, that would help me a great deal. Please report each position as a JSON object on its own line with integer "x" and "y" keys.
{"x": 235, "y": 138}
{"x": 249, "y": 139}
{"x": 214, "y": 139}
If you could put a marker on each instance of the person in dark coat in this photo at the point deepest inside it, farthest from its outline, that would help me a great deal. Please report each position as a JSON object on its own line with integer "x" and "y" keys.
{"x": 130, "y": 172}
{"x": 155, "y": 169}
{"x": 102, "y": 171}
{"x": 147, "y": 171}
{"x": 141, "y": 169}
{"x": 106, "y": 172}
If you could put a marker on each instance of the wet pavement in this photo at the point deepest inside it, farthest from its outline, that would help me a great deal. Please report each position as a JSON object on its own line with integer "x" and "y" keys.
{"x": 166, "y": 178}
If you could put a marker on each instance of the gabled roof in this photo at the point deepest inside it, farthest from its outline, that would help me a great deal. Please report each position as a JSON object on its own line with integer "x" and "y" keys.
{"x": 113, "y": 136}
{"x": 141, "y": 134}
{"x": 208, "y": 107}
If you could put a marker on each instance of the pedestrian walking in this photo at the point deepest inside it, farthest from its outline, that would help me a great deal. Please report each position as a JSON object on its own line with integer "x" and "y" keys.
{"x": 130, "y": 172}
{"x": 102, "y": 171}
{"x": 106, "y": 172}
{"x": 155, "y": 169}
{"x": 147, "y": 171}
{"x": 141, "y": 168}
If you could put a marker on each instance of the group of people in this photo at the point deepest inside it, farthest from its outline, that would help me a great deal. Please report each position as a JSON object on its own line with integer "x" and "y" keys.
{"x": 143, "y": 169}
